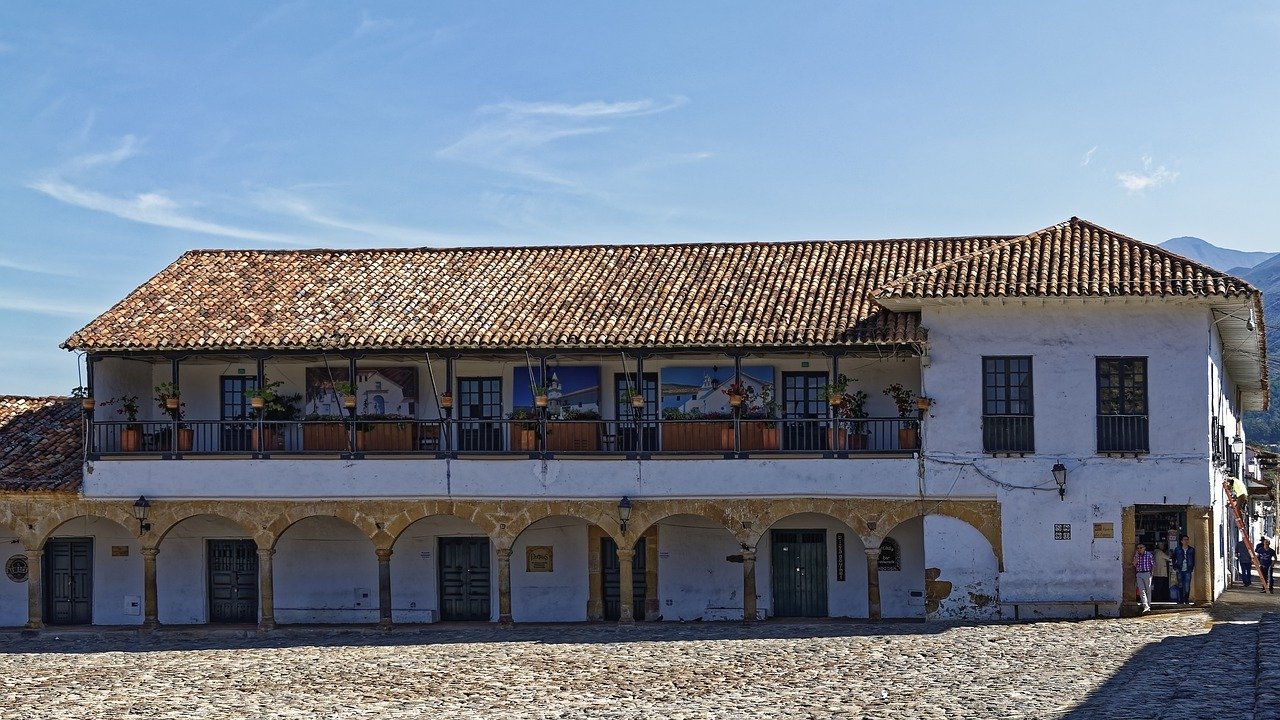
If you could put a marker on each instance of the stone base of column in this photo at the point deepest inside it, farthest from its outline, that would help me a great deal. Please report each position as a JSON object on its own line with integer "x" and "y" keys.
{"x": 34, "y": 625}
{"x": 267, "y": 626}
{"x": 150, "y": 625}
{"x": 506, "y": 623}
{"x": 385, "y": 624}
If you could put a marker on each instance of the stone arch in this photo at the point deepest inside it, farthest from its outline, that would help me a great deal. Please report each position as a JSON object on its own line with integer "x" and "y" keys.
{"x": 58, "y": 516}
{"x": 983, "y": 515}
{"x": 293, "y": 515}
{"x": 591, "y": 512}
{"x": 646, "y": 514}
{"x": 771, "y": 513}
{"x": 845, "y": 590}
{"x": 325, "y": 570}
{"x": 160, "y": 528}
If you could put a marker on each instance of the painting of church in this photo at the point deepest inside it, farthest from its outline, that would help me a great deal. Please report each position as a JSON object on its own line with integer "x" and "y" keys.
{"x": 569, "y": 387}
{"x": 379, "y": 391}
{"x": 699, "y": 388}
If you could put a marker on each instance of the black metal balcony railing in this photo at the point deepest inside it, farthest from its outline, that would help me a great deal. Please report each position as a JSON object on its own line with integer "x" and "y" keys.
{"x": 1123, "y": 434}
{"x": 1008, "y": 434}
{"x": 452, "y": 438}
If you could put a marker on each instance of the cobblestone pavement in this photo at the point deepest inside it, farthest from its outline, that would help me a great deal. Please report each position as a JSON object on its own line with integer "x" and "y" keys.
{"x": 1156, "y": 666}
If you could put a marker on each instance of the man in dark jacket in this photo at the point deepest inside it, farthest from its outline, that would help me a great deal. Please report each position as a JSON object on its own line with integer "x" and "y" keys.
{"x": 1184, "y": 562}
{"x": 1246, "y": 562}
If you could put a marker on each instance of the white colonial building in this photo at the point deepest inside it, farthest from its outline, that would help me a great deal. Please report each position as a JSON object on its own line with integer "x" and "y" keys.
{"x": 968, "y": 371}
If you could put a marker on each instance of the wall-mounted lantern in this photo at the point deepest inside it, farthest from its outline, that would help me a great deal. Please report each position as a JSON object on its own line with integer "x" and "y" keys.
{"x": 140, "y": 509}
{"x": 1060, "y": 477}
{"x": 624, "y": 513}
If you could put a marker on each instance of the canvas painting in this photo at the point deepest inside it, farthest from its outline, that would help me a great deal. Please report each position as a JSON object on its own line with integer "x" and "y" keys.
{"x": 379, "y": 391}
{"x": 699, "y": 388}
{"x": 569, "y": 387}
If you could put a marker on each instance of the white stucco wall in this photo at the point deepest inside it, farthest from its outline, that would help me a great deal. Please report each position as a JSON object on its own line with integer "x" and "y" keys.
{"x": 319, "y": 564}
{"x": 13, "y": 595}
{"x": 415, "y": 587}
{"x": 182, "y": 568}
{"x": 694, "y": 579}
{"x": 965, "y": 559}
{"x": 847, "y": 598}
{"x": 117, "y": 580}
{"x": 896, "y": 587}
{"x": 559, "y": 595}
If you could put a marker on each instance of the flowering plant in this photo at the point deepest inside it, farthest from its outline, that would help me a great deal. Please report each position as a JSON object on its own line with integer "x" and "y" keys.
{"x": 128, "y": 406}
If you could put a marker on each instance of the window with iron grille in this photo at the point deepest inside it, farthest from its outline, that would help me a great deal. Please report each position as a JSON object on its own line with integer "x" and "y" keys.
{"x": 1008, "y": 421}
{"x": 1123, "y": 423}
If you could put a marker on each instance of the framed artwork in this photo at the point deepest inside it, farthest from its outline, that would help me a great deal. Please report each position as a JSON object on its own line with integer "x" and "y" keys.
{"x": 697, "y": 389}
{"x": 379, "y": 391}
{"x": 569, "y": 387}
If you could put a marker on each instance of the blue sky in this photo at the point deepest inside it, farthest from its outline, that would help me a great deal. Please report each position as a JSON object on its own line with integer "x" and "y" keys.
{"x": 131, "y": 132}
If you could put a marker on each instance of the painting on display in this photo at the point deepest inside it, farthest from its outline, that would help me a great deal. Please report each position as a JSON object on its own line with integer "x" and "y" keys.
{"x": 569, "y": 387}
{"x": 379, "y": 391}
{"x": 697, "y": 389}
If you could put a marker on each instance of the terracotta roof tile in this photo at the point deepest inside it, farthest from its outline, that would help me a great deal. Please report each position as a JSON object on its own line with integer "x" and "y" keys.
{"x": 1075, "y": 258}
{"x": 791, "y": 294}
{"x": 41, "y": 443}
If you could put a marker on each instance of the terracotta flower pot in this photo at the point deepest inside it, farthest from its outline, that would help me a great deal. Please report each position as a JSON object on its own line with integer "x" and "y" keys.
{"x": 908, "y": 438}
{"x": 130, "y": 439}
{"x": 171, "y": 402}
{"x": 540, "y": 400}
{"x": 257, "y": 403}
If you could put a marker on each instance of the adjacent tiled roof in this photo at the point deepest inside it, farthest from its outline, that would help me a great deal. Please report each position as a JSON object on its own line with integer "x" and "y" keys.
{"x": 1071, "y": 259}
{"x": 41, "y": 443}
{"x": 789, "y": 294}
{"x": 756, "y": 294}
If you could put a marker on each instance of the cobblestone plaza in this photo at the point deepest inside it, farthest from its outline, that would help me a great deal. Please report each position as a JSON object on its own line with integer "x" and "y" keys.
{"x": 1148, "y": 667}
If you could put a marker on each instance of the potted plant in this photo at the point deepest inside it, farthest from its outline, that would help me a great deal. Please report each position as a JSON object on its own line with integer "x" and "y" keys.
{"x": 446, "y": 400}
{"x": 905, "y": 401}
{"x": 168, "y": 401}
{"x": 738, "y": 393}
{"x": 574, "y": 431}
{"x": 524, "y": 432}
{"x": 694, "y": 430}
{"x": 835, "y": 390}
{"x": 540, "y": 398}
{"x": 131, "y": 435}
{"x": 81, "y": 393}
{"x": 268, "y": 404}
{"x": 634, "y": 398}
{"x": 852, "y": 414}
{"x": 759, "y": 431}
{"x": 384, "y": 432}
{"x": 168, "y": 396}
{"x": 347, "y": 391}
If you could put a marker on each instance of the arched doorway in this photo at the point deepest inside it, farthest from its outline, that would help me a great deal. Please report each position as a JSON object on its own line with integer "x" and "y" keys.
{"x": 443, "y": 568}
{"x": 694, "y": 577}
{"x": 207, "y": 572}
{"x": 325, "y": 571}
{"x": 92, "y": 574}
{"x": 549, "y": 578}
{"x": 815, "y": 567}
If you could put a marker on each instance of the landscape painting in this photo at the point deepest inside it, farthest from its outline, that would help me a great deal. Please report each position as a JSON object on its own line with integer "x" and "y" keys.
{"x": 379, "y": 391}
{"x": 699, "y": 388}
{"x": 569, "y": 387}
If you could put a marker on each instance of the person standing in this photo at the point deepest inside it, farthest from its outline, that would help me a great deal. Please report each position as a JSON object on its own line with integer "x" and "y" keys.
{"x": 1160, "y": 574}
{"x": 1266, "y": 558}
{"x": 1143, "y": 562}
{"x": 1184, "y": 563}
{"x": 1245, "y": 560}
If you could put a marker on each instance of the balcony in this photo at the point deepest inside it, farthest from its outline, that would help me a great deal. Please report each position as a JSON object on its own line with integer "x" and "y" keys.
{"x": 1124, "y": 434}
{"x": 529, "y": 438}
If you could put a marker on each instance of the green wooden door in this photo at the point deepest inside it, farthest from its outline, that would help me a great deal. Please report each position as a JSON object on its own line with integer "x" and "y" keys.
{"x": 609, "y": 576}
{"x": 464, "y": 579}
{"x": 799, "y": 573}
{"x": 233, "y": 581}
{"x": 68, "y": 581}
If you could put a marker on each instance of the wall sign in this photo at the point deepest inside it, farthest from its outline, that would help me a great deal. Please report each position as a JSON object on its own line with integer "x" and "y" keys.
{"x": 890, "y": 555}
{"x": 1062, "y": 531}
{"x": 16, "y": 568}
{"x": 119, "y": 551}
{"x": 839, "y": 557}
{"x": 538, "y": 558}
{"x": 1104, "y": 530}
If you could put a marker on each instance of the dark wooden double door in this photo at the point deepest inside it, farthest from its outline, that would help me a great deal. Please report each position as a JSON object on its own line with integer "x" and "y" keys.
{"x": 233, "y": 581}
{"x": 465, "y": 579}
{"x": 610, "y": 577}
{"x": 799, "y": 560}
{"x": 68, "y": 581}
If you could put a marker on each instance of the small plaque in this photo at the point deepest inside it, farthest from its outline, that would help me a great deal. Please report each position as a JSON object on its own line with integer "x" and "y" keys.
{"x": 119, "y": 551}
{"x": 890, "y": 555}
{"x": 538, "y": 558}
{"x": 1062, "y": 531}
{"x": 839, "y": 557}
{"x": 16, "y": 568}
{"x": 1104, "y": 530}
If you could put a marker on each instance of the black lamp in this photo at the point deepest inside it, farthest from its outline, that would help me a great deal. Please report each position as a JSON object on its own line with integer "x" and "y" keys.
{"x": 140, "y": 508}
{"x": 1060, "y": 477}
{"x": 624, "y": 512}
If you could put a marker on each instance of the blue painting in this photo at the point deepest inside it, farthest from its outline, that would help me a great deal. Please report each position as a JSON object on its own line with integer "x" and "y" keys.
{"x": 700, "y": 389}
{"x": 569, "y": 387}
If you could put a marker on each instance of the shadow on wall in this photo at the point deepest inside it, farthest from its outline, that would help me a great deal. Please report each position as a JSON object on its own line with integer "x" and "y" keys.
{"x": 1198, "y": 676}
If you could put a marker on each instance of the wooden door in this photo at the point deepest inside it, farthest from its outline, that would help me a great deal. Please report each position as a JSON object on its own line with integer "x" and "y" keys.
{"x": 233, "y": 581}
{"x": 799, "y": 573}
{"x": 464, "y": 579}
{"x": 610, "y": 578}
{"x": 68, "y": 581}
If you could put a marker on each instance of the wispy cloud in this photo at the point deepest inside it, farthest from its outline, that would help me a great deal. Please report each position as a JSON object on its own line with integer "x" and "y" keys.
{"x": 8, "y": 264}
{"x": 294, "y": 206}
{"x": 369, "y": 24}
{"x": 1151, "y": 176}
{"x": 40, "y": 306}
{"x": 512, "y": 141}
{"x": 128, "y": 148}
{"x": 1088, "y": 157}
{"x": 152, "y": 209}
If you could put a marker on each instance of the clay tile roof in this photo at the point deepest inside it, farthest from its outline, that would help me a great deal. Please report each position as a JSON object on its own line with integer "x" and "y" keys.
{"x": 789, "y": 294}
{"x": 41, "y": 444}
{"x": 1072, "y": 259}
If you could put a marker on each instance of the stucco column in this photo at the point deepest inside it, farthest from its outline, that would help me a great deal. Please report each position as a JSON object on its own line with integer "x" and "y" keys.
{"x": 749, "y": 611}
{"x": 35, "y": 589}
{"x": 504, "y": 587}
{"x": 266, "y": 590}
{"x": 595, "y": 580}
{"x": 150, "y": 595}
{"x": 384, "y": 588}
{"x": 873, "y": 584}
{"x": 1202, "y": 578}
{"x": 626, "y": 612}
